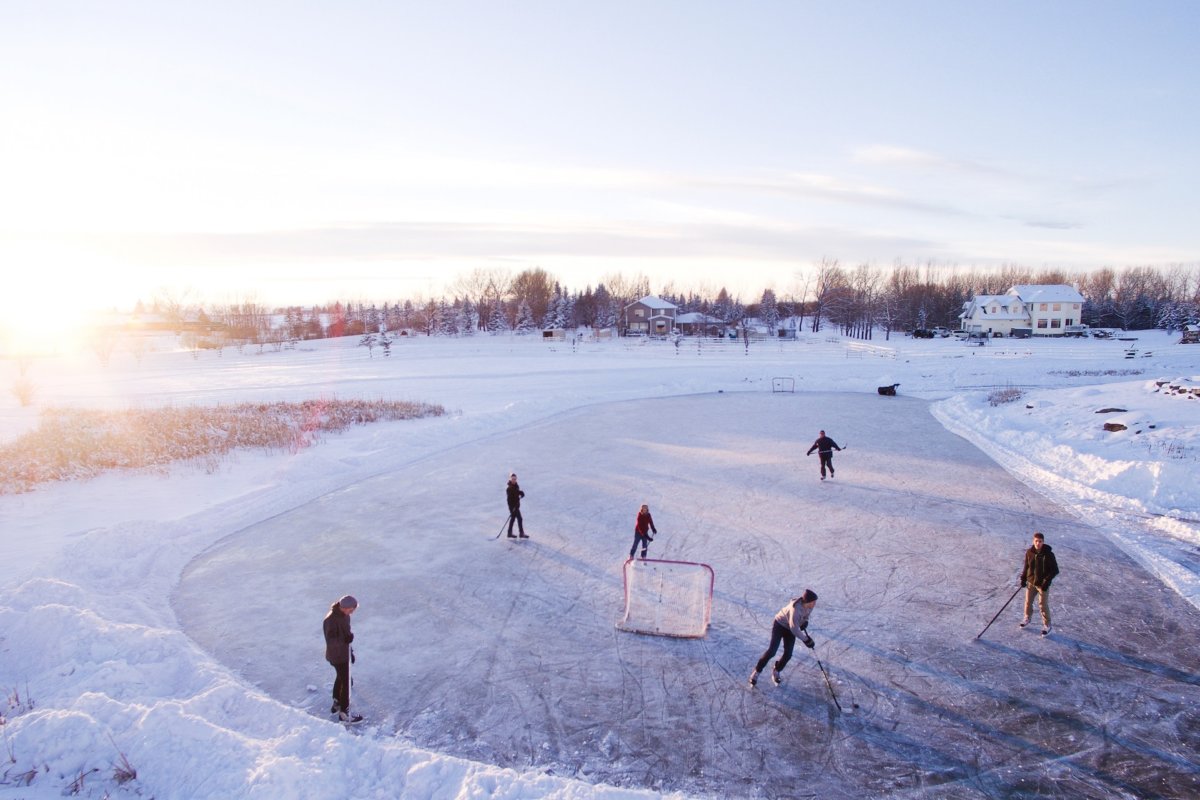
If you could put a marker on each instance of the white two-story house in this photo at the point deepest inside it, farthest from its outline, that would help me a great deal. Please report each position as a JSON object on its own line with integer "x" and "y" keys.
{"x": 1042, "y": 310}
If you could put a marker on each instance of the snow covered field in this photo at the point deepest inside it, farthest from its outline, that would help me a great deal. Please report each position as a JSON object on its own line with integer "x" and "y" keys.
{"x": 175, "y": 618}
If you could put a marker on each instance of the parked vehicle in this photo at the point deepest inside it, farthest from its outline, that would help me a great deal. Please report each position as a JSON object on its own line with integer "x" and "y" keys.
{"x": 944, "y": 333}
{"x": 922, "y": 333}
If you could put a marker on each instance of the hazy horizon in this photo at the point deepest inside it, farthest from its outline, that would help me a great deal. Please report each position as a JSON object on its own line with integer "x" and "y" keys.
{"x": 305, "y": 152}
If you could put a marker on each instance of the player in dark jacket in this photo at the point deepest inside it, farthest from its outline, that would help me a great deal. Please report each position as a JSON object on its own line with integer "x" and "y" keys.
{"x": 1037, "y": 573}
{"x": 642, "y": 527}
{"x": 338, "y": 652}
{"x": 824, "y": 447}
{"x": 514, "y": 494}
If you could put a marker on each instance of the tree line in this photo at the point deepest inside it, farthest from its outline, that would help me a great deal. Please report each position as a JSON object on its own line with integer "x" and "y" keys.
{"x": 860, "y": 301}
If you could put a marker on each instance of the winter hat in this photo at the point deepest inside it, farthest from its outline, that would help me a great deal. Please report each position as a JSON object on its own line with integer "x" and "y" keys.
{"x": 348, "y": 602}
{"x": 809, "y": 596}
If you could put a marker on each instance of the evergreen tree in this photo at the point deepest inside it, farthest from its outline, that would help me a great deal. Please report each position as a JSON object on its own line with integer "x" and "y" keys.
{"x": 525, "y": 323}
{"x": 447, "y": 319}
{"x": 468, "y": 318}
{"x": 368, "y": 341}
{"x": 768, "y": 310}
{"x": 553, "y": 318}
{"x": 497, "y": 320}
{"x": 566, "y": 311}
{"x": 722, "y": 307}
{"x": 605, "y": 311}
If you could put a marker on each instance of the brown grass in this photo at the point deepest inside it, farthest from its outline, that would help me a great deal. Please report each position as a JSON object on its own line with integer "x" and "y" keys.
{"x": 79, "y": 443}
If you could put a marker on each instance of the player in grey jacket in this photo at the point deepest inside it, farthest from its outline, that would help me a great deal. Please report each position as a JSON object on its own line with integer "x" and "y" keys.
{"x": 791, "y": 623}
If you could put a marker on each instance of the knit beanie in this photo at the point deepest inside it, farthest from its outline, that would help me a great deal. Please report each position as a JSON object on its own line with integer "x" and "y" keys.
{"x": 809, "y": 596}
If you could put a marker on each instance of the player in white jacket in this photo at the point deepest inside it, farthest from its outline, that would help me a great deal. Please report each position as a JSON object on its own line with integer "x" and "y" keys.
{"x": 791, "y": 623}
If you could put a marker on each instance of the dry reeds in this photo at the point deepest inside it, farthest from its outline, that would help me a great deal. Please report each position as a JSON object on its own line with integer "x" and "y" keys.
{"x": 80, "y": 443}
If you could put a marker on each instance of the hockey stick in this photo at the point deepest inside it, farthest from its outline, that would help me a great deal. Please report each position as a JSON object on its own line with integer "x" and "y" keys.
{"x": 998, "y": 613}
{"x": 828, "y": 683}
{"x": 506, "y": 522}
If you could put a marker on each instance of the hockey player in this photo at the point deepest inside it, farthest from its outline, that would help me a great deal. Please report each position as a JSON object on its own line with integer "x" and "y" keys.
{"x": 642, "y": 527}
{"x": 1037, "y": 572}
{"x": 790, "y": 623}
{"x": 824, "y": 447}
{"x": 514, "y": 494}
{"x": 340, "y": 655}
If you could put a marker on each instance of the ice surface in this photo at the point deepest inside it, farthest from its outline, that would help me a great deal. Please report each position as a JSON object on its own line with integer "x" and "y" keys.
{"x": 176, "y": 618}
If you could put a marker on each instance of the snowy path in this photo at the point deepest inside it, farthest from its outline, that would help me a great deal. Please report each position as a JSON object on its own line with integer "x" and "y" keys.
{"x": 506, "y": 653}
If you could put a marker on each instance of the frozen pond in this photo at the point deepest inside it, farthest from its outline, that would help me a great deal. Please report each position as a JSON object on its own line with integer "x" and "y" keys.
{"x": 507, "y": 653}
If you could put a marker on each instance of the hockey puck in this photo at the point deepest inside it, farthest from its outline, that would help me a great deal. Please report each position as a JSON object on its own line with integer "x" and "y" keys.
{"x": 854, "y": 705}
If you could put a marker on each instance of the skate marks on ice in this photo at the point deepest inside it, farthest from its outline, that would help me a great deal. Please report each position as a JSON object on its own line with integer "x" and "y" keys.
{"x": 508, "y": 655}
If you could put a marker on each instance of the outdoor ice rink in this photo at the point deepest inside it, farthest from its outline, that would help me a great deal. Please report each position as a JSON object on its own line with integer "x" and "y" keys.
{"x": 507, "y": 654}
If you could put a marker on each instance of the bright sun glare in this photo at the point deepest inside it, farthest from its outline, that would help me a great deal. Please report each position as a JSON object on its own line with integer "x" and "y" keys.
{"x": 52, "y": 310}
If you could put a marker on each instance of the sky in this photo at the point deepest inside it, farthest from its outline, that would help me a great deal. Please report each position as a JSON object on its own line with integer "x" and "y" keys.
{"x": 301, "y": 152}
{"x": 171, "y": 616}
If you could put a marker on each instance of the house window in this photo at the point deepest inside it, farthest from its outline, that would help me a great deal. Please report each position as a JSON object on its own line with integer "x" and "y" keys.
{"x": 1041, "y": 306}
{"x": 1068, "y": 322}
{"x": 639, "y": 312}
{"x": 995, "y": 309}
{"x": 1056, "y": 323}
{"x": 1042, "y": 323}
{"x": 1058, "y": 306}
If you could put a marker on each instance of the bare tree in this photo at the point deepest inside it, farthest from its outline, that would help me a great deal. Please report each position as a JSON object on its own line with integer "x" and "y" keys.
{"x": 829, "y": 292}
{"x": 485, "y": 288}
{"x": 625, "y": 290}
{"x": 534, "y": 287}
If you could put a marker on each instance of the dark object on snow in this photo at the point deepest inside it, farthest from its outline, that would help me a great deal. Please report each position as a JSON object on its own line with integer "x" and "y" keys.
{"x": 889, "y": 391}
{"x": 1113, "y": 427}
{"x": 1001, "y": 611}
{"x": 1111, "y": 410}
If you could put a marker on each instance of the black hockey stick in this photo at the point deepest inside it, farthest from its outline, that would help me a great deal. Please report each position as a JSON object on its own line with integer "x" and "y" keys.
{"x": 998, "y": 613}
{"x": 828, "y": 683}
{"x": 506, "y": 522}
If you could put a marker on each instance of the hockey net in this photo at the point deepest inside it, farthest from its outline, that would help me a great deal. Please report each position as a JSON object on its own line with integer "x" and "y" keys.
{"x": 667, "y": 598}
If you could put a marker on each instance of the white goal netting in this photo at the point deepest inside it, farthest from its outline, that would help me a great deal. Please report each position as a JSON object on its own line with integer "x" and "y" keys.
{"x": 667, "y": 598}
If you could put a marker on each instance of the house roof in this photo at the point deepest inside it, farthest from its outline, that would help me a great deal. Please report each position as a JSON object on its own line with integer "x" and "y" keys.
{"x": 1047, "y": 293}
{"x": 983, "y": 301}
{"x": 698, "y": 317}
{"x": 657, "y": 303}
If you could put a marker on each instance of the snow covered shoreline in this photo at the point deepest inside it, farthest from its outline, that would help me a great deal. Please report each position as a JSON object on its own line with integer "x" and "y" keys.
{"x": 90, "y": 637}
